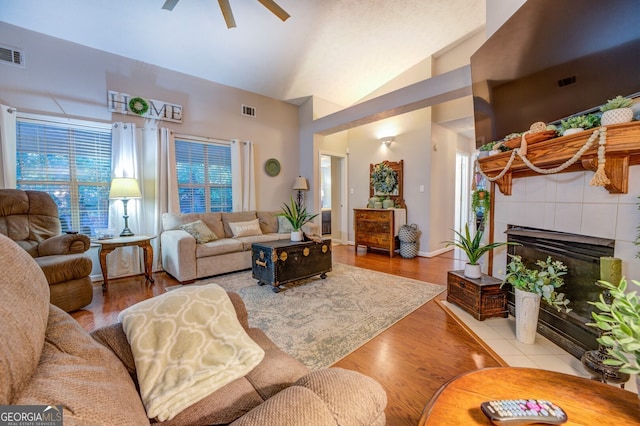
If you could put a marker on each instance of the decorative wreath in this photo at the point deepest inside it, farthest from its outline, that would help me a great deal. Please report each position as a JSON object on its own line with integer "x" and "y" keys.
{"x": 384, "y": 179}
{"x": 138, "y": 106}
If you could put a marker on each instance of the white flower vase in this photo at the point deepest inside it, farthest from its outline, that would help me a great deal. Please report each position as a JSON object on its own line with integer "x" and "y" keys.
{"x": 296, "y": 236}
{"x": 616, "y": 116}
{"x": 472, "y": 271}
{"x": 527, "y": 311}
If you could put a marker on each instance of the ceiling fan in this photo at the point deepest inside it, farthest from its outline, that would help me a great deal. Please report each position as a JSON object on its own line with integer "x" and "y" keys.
{"x": 228, "y": 15}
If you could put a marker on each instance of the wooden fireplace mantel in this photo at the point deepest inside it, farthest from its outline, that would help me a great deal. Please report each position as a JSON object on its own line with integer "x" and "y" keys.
{"x": 622, "y": 150}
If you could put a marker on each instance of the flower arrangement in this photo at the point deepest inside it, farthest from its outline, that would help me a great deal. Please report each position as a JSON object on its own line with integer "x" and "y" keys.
{"x": 543, "y": 282}
{"x": 615, "y": 103}
{"x": 620, "y": 323}
{"x": 384, "y": 179}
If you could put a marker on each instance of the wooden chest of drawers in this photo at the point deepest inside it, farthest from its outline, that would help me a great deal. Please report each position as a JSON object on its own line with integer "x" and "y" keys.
{"x": 374, "y": 228}
{"x": 482, "y": 297}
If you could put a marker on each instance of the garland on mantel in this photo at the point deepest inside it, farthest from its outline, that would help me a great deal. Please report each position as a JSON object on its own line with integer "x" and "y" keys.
{"x": 599, "y": 179}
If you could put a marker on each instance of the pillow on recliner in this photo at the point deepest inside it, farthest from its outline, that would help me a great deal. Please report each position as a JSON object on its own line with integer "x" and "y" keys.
{"x": 200, "y": 231}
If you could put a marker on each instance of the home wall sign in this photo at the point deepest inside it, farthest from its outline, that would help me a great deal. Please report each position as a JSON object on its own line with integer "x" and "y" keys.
{"x": 123, "y": 103}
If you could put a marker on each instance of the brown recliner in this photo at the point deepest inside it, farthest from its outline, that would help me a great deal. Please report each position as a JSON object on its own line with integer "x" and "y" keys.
{"x": 30, "y": 218}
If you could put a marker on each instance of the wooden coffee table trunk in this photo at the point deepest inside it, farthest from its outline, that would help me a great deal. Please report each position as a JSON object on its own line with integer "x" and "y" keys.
{"x": 482, "y": 297}
{"x": 279, "y": 262}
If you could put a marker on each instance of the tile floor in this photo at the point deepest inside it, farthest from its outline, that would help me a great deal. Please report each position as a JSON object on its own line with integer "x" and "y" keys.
{"x": 499, "y": 335}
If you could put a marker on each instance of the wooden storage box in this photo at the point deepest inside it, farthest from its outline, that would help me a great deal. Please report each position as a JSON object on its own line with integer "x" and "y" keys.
{"x": 279, "y": 262}
{"x": 482, "y": 297}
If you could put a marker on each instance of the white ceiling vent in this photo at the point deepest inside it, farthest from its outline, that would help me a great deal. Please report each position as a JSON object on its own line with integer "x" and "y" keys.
{"x": 249, "y": 111}
{"x": 11, "y": 56}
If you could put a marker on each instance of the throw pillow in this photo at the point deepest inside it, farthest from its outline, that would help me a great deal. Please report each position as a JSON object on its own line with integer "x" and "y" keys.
{"x": 245, "y": 229}
{"x": 284, "y": 226}
{"x": 200, "y": 231}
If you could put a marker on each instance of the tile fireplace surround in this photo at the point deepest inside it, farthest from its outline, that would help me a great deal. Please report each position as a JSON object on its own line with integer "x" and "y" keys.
{"x": 567, "y": 203}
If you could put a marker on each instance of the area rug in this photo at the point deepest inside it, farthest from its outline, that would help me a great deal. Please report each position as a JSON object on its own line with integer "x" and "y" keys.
{"x": 319, "y": 321}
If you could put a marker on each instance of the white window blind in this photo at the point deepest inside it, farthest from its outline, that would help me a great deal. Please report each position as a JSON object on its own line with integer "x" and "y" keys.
{"x": 204, "y": 176}
{"x": 72, "y": 162}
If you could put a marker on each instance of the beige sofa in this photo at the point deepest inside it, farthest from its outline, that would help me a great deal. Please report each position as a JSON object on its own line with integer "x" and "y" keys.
{"x": 187, "y": 260}
{"x": 30, "y": 218}
{"x": 48, "y": 359}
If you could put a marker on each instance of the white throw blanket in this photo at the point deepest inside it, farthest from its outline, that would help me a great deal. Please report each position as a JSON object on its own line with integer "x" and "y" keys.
{"x": 186, "y": 344}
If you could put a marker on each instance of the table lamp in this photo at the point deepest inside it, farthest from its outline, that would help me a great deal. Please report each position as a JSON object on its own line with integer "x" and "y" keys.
{"x": 300, "y": 184}
{"x": 125, "y": 189}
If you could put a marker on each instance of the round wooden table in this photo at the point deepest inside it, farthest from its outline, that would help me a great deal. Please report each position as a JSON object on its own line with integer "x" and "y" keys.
{"x": 585, "y": 401}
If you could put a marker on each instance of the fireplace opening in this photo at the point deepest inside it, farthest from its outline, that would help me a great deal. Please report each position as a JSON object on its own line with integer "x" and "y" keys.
{"x": 582, "y": 255}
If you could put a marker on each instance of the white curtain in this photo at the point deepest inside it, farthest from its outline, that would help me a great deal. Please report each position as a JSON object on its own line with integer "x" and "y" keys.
{"x": 125, "y": 162}
{"x": 7, "y": 147}
{"x": 166, "y": 183}
{"x": 243, "y": 172}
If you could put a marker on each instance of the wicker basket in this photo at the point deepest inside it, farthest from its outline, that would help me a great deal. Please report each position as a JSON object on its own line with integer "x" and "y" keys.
{"x": 408, "y": 250}
{"x": 408, "y": 233}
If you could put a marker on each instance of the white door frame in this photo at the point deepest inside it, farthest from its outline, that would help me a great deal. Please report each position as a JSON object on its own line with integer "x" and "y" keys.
{"x": 344, "y": 185}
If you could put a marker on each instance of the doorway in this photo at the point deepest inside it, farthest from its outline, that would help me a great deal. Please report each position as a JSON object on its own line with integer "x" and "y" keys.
{"x": 333, "y": 196}
{"x": 463, "y": 183}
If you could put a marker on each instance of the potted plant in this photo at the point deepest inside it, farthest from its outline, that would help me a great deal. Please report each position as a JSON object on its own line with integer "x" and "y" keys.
{"x": 620, "y": 323}
{"x": 530, "y": 286}
{"x": 481, "y": 199}
{"x": 474, "y": 250}
{"x": 484, "y": 150}
{"x": 578, "y": 123}
{"x": 617, "y": 110}
{"x": 297, "y": 216}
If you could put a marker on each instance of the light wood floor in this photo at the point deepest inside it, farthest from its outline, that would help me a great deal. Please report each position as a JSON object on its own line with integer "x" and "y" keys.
{"x": 411, "y": 360}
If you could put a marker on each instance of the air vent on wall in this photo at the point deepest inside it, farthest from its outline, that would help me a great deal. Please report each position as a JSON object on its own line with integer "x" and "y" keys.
{"x": 567, "y": 81}
{"x": 249, "y": 111}
{"x": 11, "y": 56}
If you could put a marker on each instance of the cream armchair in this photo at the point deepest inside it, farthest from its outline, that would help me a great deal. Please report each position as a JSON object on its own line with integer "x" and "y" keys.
{"x": 30, "y": 218}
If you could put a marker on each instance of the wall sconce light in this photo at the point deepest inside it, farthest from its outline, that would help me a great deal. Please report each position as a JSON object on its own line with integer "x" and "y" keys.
{"x": 387, "y": 140}
{"x": 124, "y": 189}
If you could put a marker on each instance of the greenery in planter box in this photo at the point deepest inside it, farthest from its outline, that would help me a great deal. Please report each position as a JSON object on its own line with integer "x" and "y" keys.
{"x": 615, "y": 103}
{"x": 580, "y": 121}
{"x": 620, "y": 324}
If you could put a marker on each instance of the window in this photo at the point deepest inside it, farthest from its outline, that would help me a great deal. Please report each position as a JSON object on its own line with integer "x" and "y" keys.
{"x": 204, "y": 175}
{"x": 72, "y": 162}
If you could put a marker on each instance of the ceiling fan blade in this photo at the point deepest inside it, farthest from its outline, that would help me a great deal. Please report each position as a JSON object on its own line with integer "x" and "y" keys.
{"x": 226, "y": 12}
{"x": 275, "y": 9}
{"x": 170, "y": 4}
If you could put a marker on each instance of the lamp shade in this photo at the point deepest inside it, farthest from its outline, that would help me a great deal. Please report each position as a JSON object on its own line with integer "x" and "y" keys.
{"x": 124, "y": 188}
{"x": 300, "y": 184}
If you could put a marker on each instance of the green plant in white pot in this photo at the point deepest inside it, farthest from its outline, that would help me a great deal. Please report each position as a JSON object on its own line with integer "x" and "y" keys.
{"x": 530, "y": 287}
{"x": 578, "y": 123}
{"x": 620, "y": 324}
{"x": 473, "y": 248}
{"x": 297, "y": 216}
{"x": 617, "y": 110}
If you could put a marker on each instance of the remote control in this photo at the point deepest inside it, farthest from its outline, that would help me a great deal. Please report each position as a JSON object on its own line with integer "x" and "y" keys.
{"x": 517, "y": 412}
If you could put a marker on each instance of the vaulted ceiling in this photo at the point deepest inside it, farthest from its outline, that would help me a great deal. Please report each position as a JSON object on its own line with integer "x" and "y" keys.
{"x": 338, "y": 50}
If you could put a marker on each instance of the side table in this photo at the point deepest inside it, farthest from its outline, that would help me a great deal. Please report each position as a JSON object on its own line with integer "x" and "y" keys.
{"x": 482, "y": 297}
{"x": 109, "y": 245}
